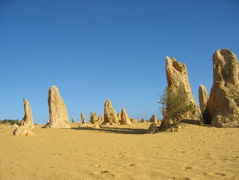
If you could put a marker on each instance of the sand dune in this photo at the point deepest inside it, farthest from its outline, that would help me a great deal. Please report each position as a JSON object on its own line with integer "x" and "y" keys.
{"x": 120, "y": 152}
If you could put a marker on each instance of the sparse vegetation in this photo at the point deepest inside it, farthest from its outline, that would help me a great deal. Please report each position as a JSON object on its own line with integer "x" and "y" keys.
{"x": 174, "y": 103}
{"x": 9, "y": 121}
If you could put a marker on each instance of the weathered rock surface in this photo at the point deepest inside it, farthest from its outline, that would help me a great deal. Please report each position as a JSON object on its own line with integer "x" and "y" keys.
{"x": 124, "y": 117}
{"x": 203, "y": 97}
{"x": 57, "y": 110}
{"x": 83, "y": 118}
{"x": 93, "y": 118}
{"x": 153, "y": 119}
{"x": 27, "y": 120}
{"x": 110, "y": 115}
{"x": 22, "y": 131}
{"x": 222, "y": 106}
{"x": 177, "y": 78}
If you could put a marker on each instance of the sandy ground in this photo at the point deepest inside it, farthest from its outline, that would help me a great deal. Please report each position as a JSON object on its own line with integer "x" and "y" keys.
{"x": 120, "y": 152}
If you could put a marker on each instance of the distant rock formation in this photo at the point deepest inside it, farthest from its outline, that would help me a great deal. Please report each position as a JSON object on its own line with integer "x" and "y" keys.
{"x": 22, "y": 131}
{"x": 143, "y": 120}
{"x": 124, "y": 117}
{"x": 100, "y": 119}
{"x": 57, "y": 110}
{"x": 222, "y": 106}
{"x": 73, "y": 120}
{"x": 177, "y": 78}
{"x": 110, "y": 113}
{"x": 27, "y": 120}
{"x": 203, "y": 97}
{"x": 153, "y": 119}
{"x": 83, "y": 118}
{"x": 13, "y": 126}
{"x": 133, "y": 120}
{"x": 93, "y": 118}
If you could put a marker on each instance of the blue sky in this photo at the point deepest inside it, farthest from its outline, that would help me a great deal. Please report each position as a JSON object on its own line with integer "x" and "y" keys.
{"x": 98, "y": 49}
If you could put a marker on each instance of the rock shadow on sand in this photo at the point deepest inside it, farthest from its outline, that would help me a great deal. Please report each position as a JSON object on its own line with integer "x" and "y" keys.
{"x": 116, "y": 130}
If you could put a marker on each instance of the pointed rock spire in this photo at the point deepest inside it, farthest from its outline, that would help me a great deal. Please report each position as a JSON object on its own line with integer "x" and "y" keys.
{"x": 153, "y": 119}
{"x": 57, "y": 110}
{"x": 124, "y": 117}
{"x": 27, "y": 120}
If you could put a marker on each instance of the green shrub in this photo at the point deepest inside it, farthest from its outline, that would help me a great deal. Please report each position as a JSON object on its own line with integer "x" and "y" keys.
{"x": 9, "y": 121}
{"x": 175, "y": 103}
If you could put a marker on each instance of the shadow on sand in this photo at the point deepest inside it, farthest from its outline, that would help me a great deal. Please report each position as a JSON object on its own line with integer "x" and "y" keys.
{"x": 116, "y": 130}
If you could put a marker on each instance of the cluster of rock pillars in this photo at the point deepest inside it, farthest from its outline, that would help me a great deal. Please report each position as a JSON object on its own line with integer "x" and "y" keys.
{"x": 219, "y": 108}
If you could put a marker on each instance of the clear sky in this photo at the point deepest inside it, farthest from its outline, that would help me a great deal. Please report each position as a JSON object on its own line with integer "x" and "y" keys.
{"x": 98, "y": 49}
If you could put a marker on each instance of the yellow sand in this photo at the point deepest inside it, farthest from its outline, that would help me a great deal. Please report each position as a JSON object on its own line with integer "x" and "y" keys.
{"x": 120, "y": 152}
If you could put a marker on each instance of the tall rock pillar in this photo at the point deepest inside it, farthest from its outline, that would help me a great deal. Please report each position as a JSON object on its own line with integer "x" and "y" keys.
{"x": 222, "y": 106}
{"x": 177, "y": 78}
{"x": 57, "y": 110}
{"x": 27, "y": 120}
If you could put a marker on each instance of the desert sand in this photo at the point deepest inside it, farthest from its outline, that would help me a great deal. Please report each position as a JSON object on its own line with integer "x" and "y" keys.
{"x": 120, "y": 152}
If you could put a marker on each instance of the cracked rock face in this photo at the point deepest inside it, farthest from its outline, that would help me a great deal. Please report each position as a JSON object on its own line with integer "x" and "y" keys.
{"x": 222, "y": 106}
{"x": 57, "y": 110}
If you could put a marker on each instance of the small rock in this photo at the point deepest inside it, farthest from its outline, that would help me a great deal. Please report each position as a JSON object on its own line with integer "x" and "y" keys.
{"x": 22, "y": 131}
{"x": 143, "y": 120}
{"x": 172, "y": 129}
{"x": 97, "y": 127}
{"x": 152, "y": 128}
{"x": 133, "y": 120}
